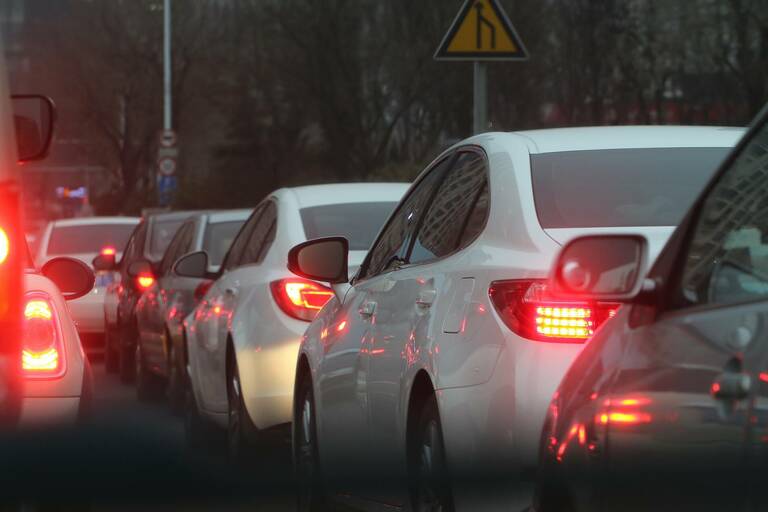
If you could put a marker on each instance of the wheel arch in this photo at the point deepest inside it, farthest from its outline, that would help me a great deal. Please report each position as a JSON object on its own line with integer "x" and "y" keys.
{"x": 421, "y": 390}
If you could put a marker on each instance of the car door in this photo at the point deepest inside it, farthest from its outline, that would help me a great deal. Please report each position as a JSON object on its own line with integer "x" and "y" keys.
{"x": 207, "y": 322}
{"x": 686, "y": 409}
{"x": 127, "y": 290}
{"x": 410, "y": 310}
{"x": 343, "y": 377}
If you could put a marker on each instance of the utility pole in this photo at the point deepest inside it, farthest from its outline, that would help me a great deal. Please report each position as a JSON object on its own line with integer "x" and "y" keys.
{"x": 480, "y": 117}
{"x": 167, "y": 121}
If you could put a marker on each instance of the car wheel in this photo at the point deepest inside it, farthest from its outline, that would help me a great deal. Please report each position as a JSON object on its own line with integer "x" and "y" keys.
{"x": 176, "y": 381}
{"x": 310, "y": 494}
{"x": 127, "y": 360}
{"x": 428, "y": 471}
{"x": 238, "y": 421}
{"x": 148, "y": 385}
{"x": 111, "y": 362}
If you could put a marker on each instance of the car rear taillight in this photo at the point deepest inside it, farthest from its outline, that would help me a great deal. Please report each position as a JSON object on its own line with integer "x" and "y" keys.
{"x": 202, "y": 289}
{"x": 5, "y": 246}
{"x": 145, "y": 281}
{"x": 527, "y": 309}
{"x": 300, "y": 298}
{"x": 108, "y": 251}
{"x": 42, "y": 352}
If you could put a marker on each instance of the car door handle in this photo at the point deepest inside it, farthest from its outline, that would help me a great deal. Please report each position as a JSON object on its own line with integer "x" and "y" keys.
{"x": 231, "y": 291}
{"x": 731, "y": 386}
{"x": 426, "y": 298}
{"x": 367, "y": 309}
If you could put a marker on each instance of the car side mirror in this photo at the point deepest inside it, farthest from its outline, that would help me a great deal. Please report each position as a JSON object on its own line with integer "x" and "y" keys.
{"x": 104, "y": 262}
{"x": 194, "y": 264}
{"x": 322, "y": 259}
{"x": 33, "y": 118}
{"x": 140, "y": 268}
{"x": 600, "y": 267}
{"x": 73, "y": 277}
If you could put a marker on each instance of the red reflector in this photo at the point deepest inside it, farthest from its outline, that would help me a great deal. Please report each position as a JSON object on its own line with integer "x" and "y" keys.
{"x": 145, "y": 281}
{"x": 527, "y": 310}
{"x": 42, "y": 352}
{"x": 108, "y": 251}
{"x": 300, "y": 298}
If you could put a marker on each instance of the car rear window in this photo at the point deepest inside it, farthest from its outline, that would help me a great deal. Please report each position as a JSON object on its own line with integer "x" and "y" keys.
{"x": 88, "y": 238}
{"x": 218, "y": 238}
{"x": 161, "y": 236}
{"x": 620, "y": 187}
{"x": 358, "y": 222}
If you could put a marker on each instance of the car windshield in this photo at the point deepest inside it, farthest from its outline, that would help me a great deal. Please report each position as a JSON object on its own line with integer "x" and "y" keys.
{"x": 620, "y": 187}
{"x": 218, "y": 238}
{"x": 88, "y": 238}
{"x": 358, "y": 222}
{"x": 161, "y": 235}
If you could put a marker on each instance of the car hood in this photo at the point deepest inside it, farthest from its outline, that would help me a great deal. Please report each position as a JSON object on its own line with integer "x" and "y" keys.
{"x": 657, "y": 236}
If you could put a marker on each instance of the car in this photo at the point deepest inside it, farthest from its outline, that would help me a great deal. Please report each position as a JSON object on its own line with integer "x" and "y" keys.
{"x": 242, "y": 339}
{"x": 56, "y": 375}
{"x": 161, "y": 353}
{"x": 84, "y": 238}
{"x": 143, "y": 251}
{"x": 668, "y": 404}
{"x": 441, "y": 355}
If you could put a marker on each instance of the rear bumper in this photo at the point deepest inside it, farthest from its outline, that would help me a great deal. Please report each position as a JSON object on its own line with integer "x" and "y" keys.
{"x": 49, "y": 411}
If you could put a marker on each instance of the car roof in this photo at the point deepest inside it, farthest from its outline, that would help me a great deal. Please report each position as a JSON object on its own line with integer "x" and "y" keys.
{"x": 91, "y": 221}
{"x": 229, "y": 215}
{"x": 339, "y": 193}
{"x": 184, "y": 214}
{"x": 554, "y": 140}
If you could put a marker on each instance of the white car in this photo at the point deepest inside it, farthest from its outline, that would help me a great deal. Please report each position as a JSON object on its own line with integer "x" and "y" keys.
{"x": 243, "y": 338}
{"x": 85, "y": 238}
{"x": 443, "y": 352}
{"x": 56, "y": 377}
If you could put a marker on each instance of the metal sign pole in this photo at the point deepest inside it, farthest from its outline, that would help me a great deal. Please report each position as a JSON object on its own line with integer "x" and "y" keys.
{"x": 480, "y": 117}
{"x": 167, "y": 124}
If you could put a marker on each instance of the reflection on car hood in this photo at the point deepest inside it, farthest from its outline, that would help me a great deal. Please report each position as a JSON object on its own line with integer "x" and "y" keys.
{"x": 657, "y": 236}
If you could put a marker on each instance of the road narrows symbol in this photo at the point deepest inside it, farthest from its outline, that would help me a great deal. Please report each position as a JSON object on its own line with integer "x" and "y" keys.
{"x": 483, "y": 21}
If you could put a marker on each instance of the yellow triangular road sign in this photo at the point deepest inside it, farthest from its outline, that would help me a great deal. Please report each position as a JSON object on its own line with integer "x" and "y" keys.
{"x": 481, "y": 31}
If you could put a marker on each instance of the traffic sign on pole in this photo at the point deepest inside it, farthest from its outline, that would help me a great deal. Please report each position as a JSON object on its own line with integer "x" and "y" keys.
{"x": 166, "y": 165}
{"x": 168, "y": 139}
{"x": 481, "y": 32}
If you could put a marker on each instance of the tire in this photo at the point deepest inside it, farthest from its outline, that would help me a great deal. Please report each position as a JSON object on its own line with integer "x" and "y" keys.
{"x": 427, "y": 466}
{"x": 149, "y": 387}
{"x": 238, "y": 422}
{"x": 176, "y": 382}
{"x": 310, "y": 495}
{"x": 202, "y": 437}
{"x": 111, "y": 361}
{"x": 127, "y": 353}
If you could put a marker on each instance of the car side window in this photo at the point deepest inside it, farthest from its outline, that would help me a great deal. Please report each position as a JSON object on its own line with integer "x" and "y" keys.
{"x": 235, "y": 253}
{"x": 259, "y": 242}
{"x": 442, "y": 229}
{"x": 727, "y": 259}
{"x": 175, "y": 248}
{"x": 134, "y": 246}
{"x": 391, "y": 247}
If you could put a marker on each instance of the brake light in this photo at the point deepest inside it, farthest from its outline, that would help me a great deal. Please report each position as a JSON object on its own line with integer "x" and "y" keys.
{"x": 527, "y": 309}
{"x": 300, "y": 298}
{"x": 202, "y": 289}
{"x": 42, "y": 352}
{"x": 145, "y": 281}
{"x": 5, "y": 246}
{"x": 108, "y": 251}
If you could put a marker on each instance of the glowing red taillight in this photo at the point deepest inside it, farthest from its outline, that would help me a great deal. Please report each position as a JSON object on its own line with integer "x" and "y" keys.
{"x": 527, "y": 309}
{"x": 145, "y": 281}
{"x": 300, "y": 298}
{"x": 5, "y": 246}
{"x": 108, "y": 251}
{"x": 42, "y": 353}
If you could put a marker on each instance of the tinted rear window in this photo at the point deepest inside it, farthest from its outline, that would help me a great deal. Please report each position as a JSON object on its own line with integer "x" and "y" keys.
{"x": 161, "y": 236}
{"x": 358, "y": 222}
{"x": 620, "y": 187}
{"x": 218, "y": 238}
{"x": 89, "y": 238}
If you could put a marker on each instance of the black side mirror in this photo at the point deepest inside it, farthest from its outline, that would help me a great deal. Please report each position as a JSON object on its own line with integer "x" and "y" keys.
{"x": 194, "y": 264}
{"x": 73, "y": 277}
{"x": 104, "y": 262}
{"x": 33, "y": 117}
{"x": 322, "y": 259}
{"x": 140, "y": 268}
{"x": 600, "y": 267}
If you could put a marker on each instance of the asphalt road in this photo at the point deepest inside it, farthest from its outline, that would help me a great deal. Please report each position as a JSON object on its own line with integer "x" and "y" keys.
{"x": 162, "y": 450}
